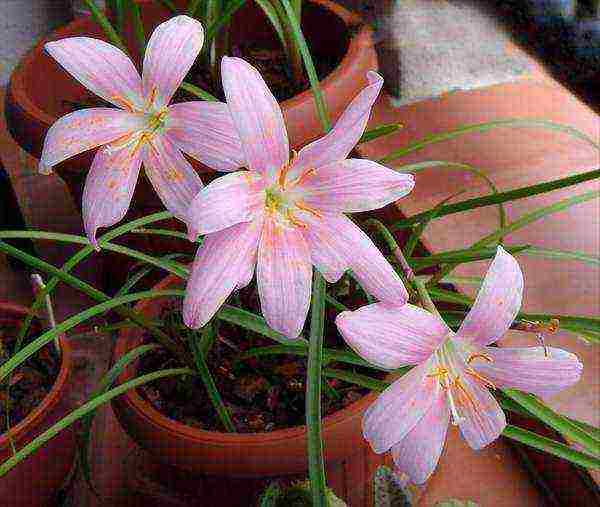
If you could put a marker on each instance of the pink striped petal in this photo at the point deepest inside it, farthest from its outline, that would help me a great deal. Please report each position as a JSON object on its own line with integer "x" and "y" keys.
{"x": 482, "y": 420}
{"x": 257, "y": 116}
{"x": 399, "y": 408}
{"x": 418, "y": 453}
{"x": 205, "y": 131}
{"x": 224, "y": 202}
{"x": 497, "y": 303}
{"x": 530, "y": 369}
{"x": 284, "y": 276}
{"x": 340, "y": 141}
{"x": 392, "y": 336}
{"x": 101, "y": 68}
{"x": 83, "y": 130}
{"x": 172, "y": 176}
{"x": 170, "y": 53}
{"x": 108, "y": 189}
{"x": 354, "y": 185}
{"x": 220, "y": 265}
{"x": 337, "y": 244}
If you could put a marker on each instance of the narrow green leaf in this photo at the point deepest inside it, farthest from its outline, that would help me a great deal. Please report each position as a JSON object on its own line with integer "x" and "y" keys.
{"x": 138, "y": 25}
{"x": 207, "y": 335}
{"x": 294, "y": 24}
{"x": 536, "y": 215}
{"x": 82, "y": 411}
{"x": 357, "y": 379}
{"x": 161, "y": 232}
{"x": 483, "y": 127}
{"x": 548, "y": 253}
{"x": 105, "y": 24}
{"x": 193, "y": 7}
{"x": 380, "y": 131}
{"x": 551, "y": 447}
{"x": 105, "y": 383}
{"x": 273, "y": 17}
{"x": 492, "y": 199}
{"x": 169, "y": 5}
{"x": 224, "y": 19}
{"x": 461, "y": 256}
{"x": 198, "y": 92}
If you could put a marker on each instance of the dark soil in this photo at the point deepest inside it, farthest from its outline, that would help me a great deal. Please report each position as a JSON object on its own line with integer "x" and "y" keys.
{"x": 262, "y": 394}
{"x": 31, "y": 382}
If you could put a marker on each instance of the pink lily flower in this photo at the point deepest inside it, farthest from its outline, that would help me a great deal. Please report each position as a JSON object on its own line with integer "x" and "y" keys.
{"x": 454, "y": 372}
{"x": 284, "y": 215}
{"x": 145, "y": 129}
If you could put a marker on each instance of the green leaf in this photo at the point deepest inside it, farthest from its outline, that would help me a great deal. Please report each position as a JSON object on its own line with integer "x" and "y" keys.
{"x": 169, "y": 5}
{"x": 138, "y": 25}
{"x": 356, "y": 378}
{"x": 492, "y": 199}
{"x": 223, "y": 20}
{"x": 379, "y": 131}
{"x": 105, "y": 383}
{"x": 555, "y": 421}
{"x": 105, "y": 24}
{"x": 548, "y": 253}
{"x": 551, "y": 447}
{"x": 198, "y": 92}
{"x": 273, "y": 17}
{"x": 208, "y": 334}
{"x": 299, "y": 39}
{"x": 536, "y": 215}
{"x": 483, "y": 127}
{"x": 461, "y": 256}
{"x": 84, "y": 410}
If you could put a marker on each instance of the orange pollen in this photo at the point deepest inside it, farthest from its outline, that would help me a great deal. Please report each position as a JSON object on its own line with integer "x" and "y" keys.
{"x": 304, "y": 176}
{"x": 308, "y": 209}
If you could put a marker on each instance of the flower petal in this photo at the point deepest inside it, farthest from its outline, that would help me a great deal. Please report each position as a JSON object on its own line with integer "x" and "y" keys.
{"x": 418, "y": 453}
{"x": 284, "y": 276}
{"x": 399, "y": 408}
{"x": 370, "y": 267}
{"x": 530, "y": 369}
{"x": 109, "y": 188}
{"x": 257, "y": 116}
{"x": 170, "y": 53}
{"x": 339, "y": 142}
{"x": 101, "y": 68}
{"x": 482, "y": 420}
{"x": 392, "y": 336}
{"x": 172, "y": 176}
{"x": 354, "y": 185}
{"x": 220, "y": 264}
{"x": 205, "y": 131}
{"x": 83, "y": 130}
{"x": 497, "y": 303}
{"x": 224, "y": 202}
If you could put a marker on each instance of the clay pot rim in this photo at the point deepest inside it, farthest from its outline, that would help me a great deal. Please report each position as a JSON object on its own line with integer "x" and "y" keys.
{"x": 22, "y": 429}
{"x": 145, "y": 410}
{"x": 16, "y": 86}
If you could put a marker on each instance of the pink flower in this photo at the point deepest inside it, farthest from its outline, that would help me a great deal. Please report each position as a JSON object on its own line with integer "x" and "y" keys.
{"x": 454, "y": 372}
{"x": 145, "y": 128}
{"x": 286, "y": 215}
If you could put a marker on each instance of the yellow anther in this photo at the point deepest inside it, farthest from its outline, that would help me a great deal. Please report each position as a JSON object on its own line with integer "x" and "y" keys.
{"x": 472, "y": 357}
{"x": 124, "y": 103}
{"x": 293, "y": 220}
{"x": 553, "y": 326}
{"x": 301, "y": 205}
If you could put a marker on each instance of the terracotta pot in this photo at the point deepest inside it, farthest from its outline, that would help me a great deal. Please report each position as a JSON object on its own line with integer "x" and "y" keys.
{"x": 35, "y": 481}
{"x": 221, "y": 460}
{"x": 34, "y": 104}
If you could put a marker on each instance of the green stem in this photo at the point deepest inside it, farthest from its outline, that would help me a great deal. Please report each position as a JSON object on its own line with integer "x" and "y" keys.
{"x": 105, "y": 24}
{"x": 316, "y": 464}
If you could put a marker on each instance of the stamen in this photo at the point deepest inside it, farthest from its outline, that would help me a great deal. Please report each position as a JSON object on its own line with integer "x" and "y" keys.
{"x": 290, "y": 216}
{"x": 152, "y": 96}
{"x": 285, "y": 169}
{"x": 456, "y": 417}
{"x": 124, "y": 103}
{"x": 304, "y": 207}
{"x": 461, "y": 389}
{"x": 472, "y": 357}
{"x": 486, "y": 382}
{"x": 540, "y": 338}
{"x": 306, "y": 174}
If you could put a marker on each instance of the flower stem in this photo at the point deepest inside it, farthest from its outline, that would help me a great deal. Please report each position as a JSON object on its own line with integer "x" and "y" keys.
{"x": 316, "y": 465}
